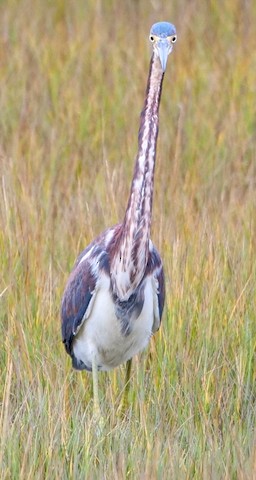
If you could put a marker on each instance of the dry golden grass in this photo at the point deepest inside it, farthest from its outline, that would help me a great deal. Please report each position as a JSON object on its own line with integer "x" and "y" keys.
{"x": 72, "y": 81}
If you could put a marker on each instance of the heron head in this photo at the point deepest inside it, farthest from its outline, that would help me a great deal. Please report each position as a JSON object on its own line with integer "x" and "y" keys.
{"x": 163, "y": 36}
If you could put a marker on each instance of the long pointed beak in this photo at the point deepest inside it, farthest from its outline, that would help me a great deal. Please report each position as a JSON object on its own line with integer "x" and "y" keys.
{"x": 163, "y": 50}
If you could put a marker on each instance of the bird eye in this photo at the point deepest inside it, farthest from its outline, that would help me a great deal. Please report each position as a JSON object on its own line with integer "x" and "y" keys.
{"x": 174, "y": 38}
{"x": 151, "y": 38}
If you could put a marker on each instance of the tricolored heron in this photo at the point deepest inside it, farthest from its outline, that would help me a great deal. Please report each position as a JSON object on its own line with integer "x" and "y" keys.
{"x": 114, "y": 297}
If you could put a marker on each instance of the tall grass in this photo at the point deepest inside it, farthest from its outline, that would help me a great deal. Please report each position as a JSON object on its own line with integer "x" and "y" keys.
{"x": 72, "y": 81}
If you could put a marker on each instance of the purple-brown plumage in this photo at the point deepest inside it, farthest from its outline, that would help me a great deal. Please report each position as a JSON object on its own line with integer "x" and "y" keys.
{"x": 114, "y": 297}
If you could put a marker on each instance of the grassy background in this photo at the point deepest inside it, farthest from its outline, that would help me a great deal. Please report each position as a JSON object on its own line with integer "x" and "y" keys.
{"x": 72, "y": 82}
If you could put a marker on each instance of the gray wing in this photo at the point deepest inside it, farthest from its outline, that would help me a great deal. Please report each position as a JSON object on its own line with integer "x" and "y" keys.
{"x": 155, "y": 268}
{"x": 80, "y": 293}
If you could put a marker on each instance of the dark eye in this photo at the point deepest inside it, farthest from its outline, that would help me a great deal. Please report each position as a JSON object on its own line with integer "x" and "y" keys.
{"x": 174, "y": 38}
{"x": 151, "y": 38}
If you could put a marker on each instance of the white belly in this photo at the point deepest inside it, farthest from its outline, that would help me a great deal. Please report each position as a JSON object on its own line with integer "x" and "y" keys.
{"x": 101, "y": 337}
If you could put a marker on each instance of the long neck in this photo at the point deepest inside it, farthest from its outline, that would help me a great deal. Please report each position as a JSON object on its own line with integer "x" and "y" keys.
{"x": 131, "y": 255}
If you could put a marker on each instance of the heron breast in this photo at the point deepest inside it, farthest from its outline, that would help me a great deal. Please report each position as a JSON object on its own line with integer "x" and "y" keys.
{"x": 115, "y": 332}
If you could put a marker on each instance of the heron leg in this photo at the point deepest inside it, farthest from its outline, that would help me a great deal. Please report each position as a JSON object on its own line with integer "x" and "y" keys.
{"x": 127, "y": 386}
{"x": 96, "y": 403}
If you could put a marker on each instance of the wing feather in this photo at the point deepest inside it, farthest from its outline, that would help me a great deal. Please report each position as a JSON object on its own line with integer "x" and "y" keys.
{"x": 77, "y": 301}
{"x": 155, "y": 268}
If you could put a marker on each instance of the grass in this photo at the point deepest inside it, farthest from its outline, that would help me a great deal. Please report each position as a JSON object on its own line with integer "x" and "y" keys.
{"x": 72, "y": 82}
